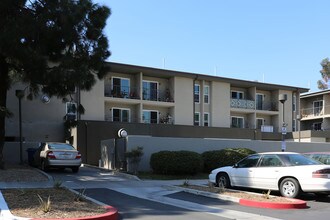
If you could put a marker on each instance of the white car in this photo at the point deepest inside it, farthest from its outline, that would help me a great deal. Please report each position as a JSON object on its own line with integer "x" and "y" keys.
{"x": 57, "y": 155}
{"x": 287, "y": 172}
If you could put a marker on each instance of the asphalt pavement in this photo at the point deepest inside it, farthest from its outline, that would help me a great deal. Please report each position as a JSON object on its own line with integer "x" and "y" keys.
{"x": 151, "y": 199}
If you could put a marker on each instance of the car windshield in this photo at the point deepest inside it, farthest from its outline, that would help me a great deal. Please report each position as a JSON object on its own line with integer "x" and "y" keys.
{"x": 297, "y": 160}
{"x": 55, "y": 146}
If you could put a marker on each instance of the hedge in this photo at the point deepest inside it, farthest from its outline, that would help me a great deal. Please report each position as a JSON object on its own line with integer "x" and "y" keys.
{"x": 176, "y": 162}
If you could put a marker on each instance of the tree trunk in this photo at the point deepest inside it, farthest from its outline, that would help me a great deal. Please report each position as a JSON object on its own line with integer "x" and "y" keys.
{"x": 3, "y": 101}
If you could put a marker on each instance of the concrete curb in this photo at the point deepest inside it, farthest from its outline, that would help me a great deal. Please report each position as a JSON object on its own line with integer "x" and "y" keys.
{"x": 111, "y": 214}
{"x": 293, "y": 204}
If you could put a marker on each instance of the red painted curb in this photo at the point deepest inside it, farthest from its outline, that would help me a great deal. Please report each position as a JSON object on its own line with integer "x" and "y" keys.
{"x": 297, "y": 204}
{"x": 111, "y": 214}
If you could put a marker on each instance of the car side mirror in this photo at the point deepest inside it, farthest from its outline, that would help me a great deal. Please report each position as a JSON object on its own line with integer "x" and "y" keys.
{"x": 235, "y": 165}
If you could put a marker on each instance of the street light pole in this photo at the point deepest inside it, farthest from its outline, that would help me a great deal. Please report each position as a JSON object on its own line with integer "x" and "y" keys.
{"x": 20, "y": 95}
{"x": 282, "y": 98}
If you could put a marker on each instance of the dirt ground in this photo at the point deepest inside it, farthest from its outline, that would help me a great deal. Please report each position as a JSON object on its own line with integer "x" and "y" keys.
{"x": 27, "y": 203}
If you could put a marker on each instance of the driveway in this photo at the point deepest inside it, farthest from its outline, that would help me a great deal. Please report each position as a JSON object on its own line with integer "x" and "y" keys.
{"x": 150, "y": 199}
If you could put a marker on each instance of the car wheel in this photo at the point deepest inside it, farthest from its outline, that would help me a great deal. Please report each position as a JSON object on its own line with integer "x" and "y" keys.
{"x": 223, "y": 180}
{"x": 289, "y": 188}
{"x": 75, "y": 169}
{"x": 43, "y": 166}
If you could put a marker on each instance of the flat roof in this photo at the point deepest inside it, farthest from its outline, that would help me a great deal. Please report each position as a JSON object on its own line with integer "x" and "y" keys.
{"x": 312, "y": 94}
{"x": 128, "y": 68}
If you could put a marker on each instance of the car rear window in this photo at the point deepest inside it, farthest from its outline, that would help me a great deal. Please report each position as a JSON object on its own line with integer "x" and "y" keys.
{"x": 61, "y": 147}
{"x": 297, "y": 160}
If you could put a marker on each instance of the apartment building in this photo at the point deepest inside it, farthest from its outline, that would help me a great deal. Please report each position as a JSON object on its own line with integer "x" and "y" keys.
{"x": 315, "y": 111}
{"x": 135, "y": 94}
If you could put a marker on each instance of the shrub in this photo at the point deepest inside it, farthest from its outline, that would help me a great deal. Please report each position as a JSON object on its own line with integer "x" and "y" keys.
{"x": 220, "y": 158}
{"x": 176, "y": 162}
{"x": 245, "y": 151}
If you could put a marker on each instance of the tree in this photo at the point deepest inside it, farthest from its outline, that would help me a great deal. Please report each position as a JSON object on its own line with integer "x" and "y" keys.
{"x": 51, "y": 46}
{"x": 325, "y": 73}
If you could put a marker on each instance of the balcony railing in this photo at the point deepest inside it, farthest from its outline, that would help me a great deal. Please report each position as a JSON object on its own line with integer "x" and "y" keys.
{"x": 313, "y": 112}
{"x": 126, "y": 92}
{"x": 163, "y": 120}
{"x": 157, "y": 95}
{"x": 251, "y": 104}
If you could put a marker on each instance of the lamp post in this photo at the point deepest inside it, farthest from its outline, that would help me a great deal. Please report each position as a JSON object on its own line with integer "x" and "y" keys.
{"x": 20, "y": 95}
{"x": 282, "y": 98}
{"x": 299, "y": 119}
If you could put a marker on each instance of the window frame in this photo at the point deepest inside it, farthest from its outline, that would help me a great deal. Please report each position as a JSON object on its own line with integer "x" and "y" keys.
{"x": 237, "y": 92}
{"x": 122, "y": 91}
{"x": 206, "y": 94}
{"x": 121, "y": 114}
{"x": 199, "y": 119}
{"x": 197, "y": 93}
{"x": 150, "y": 111}
{"x": 150, "y": 94}
{"x": 237, "y": 117}
{"x": 208, "y": 119}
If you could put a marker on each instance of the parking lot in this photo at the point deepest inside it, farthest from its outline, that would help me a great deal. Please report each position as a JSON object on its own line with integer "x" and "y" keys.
{"x": 152, "y": 199}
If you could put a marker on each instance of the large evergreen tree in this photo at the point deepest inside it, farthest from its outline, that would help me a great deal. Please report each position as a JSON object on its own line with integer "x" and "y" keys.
{"x": 50, "y": 45}
{"x": 325, "y": 74}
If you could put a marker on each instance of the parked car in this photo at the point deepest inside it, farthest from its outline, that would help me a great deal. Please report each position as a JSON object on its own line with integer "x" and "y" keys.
{"x": 287, "y": 172}
{"x": 57, "y": 155}
{"x": 323, "y": 157}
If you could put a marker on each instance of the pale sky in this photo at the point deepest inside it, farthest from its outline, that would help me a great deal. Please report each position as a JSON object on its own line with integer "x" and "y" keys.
{"x": 272, "y": 41}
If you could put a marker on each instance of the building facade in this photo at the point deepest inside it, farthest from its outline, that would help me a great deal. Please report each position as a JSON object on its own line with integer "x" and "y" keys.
{"x": 314, "y": 117}
{"x": 136, "y": 94}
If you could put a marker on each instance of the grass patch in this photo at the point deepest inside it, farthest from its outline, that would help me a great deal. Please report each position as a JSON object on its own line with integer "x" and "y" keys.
{"x": 152, "y": 176}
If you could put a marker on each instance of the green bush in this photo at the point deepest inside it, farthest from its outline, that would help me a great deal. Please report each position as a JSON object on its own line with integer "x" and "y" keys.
{"x": 221, "y": 158}
{"x": 176, "y": 162}
{"x": 245, "y": 151}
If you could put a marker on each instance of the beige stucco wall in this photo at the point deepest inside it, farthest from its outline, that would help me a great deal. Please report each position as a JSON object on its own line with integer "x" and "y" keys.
{"x": 220, "y": 104}
{"x": 93, "y": 102}
{"x": 40, "y": 121}
{"x": 183, "y": 97}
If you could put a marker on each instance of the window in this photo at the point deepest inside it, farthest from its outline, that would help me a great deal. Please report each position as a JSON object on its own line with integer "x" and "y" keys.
{"x": 206, "y": 94}
{"x": 206, "y": 119}
{"x": 317, "y": 126}
{"x": 150, "y": 117}
{"x": 150, "y": 90}
{"x": 120, "y": 87}
{"x": 196, "y": 119}
{"x": 270, "y": 161}
{"x": 120, "y": 115}
{"x": 237, "y": 122}
{"x": 71, "y": 111}
{"x": 260, "y": 101}
{"x": 237, "y": 95}
{"x": 196, "y": 93}
{"x": 317, "y": 107}
{"x": 250, "y": 161}
{"x": 260, "y": 122}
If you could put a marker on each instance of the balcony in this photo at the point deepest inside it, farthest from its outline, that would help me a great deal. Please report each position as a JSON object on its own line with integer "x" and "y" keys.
{"x": 125, "y": 92}
{"x": 157, "y": 95}
{"x": 242, "y": 103}
{"x": 162, "y": 120}
{"x": 253, "y": 105}
{"x": 310, "y": 113}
